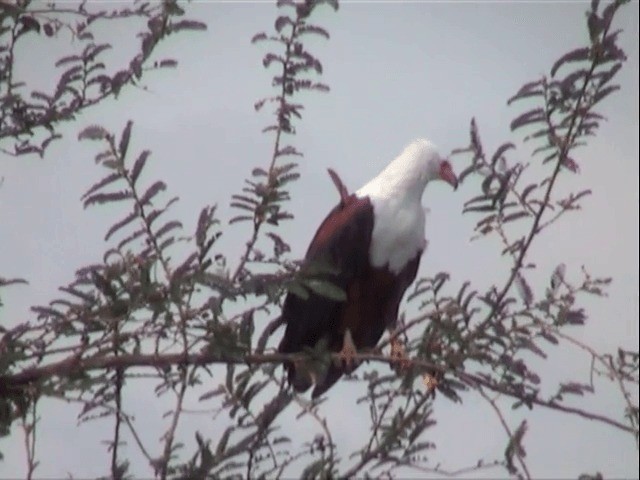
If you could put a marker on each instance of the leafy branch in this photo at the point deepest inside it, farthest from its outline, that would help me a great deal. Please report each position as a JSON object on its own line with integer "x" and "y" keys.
{"x": 28, "y": 117}
{"x": 162, "y": 301}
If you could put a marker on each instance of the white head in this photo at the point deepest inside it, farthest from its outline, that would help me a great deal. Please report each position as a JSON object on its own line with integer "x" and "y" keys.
{"x": 418, "y": 164}
{"x": 429, "y": 164}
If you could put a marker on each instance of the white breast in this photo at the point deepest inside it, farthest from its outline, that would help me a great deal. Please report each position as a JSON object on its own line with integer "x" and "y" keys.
{"x": 398, "y": 233}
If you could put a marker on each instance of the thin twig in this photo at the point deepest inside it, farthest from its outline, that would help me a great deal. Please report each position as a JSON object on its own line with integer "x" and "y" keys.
{"x": 565, "y": 146}
{"x": 74, "y": 365}
{"x": 259, "y": 221}
{"x": 506, "y": 428}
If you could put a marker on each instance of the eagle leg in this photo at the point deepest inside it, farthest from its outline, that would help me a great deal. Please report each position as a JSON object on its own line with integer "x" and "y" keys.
{"x": 430, "y": 382}
{"x": 348, "y": 352}
{"x": 399, "y": 353}
{"x": 300, "y": 376}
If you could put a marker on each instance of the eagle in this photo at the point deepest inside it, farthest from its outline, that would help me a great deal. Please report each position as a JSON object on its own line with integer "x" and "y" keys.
{"x": 373, "y": 240}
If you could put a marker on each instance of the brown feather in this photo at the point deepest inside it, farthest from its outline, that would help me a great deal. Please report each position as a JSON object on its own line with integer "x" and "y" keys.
{"x": 373, "y": 294}
{"x": 342, "y": 190}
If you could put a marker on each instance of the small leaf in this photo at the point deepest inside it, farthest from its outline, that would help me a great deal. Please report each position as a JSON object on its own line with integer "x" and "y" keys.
{"x": 483, "y": 208}
{"x": 168, "y": 63}
{"x": 581, "y": 194}
{"x": 46, "y": 312}
{"x": 500, "y": 152}
{"x": 528, "y": 90}
{"x": 152, "y": 191}
{"x": 326, "y": 289}
{"x": 575, "y": 317}
{"x": 68, "y": 59}
{"x": 532, "y": 116}
{"x": 572, "y": 387}
{"x": 571, "y": 165}
{"x": 212, "y": 393}
{"x": 604, "y": 92}
{"x": 167, "y": 227}
{"x": 486, "y": 184}
{"x": 557, "y": 277}
{"x": 240, "y": 218}
{"x": 281, "y": 22}
{"x": 102, "y": 183}
{"x": 93, "y": 132}
{"x": 166, "y": 243}
{"x": 124, "y": 140}
{"x": 182, "y": 269}
{"x": 514, "y": 216}
{"x": 524, "y": 289}
{"x": 514, "y": 247}
{"x": 527, "y": 191}
{"x": 242, "y": 206}
{"x": 122, "y": 223}
{"x": 107, "y": 198}
{"x": 205, "y": 220}
{"x": 298, "y": 290}
{"x": 90, "y": 54}
{"x": 271, "y": 57}
{"x": 86, "y": 297}
{"x": 548, "y": 337}
{"x": 11, "y": 281}
{"x": 605, "y": 77}
{"x": 579, "y": 54}
{"x": 187, "y": 25}
{"x": 139, "y": 165}
{"x": 258, "y": 37}
{"x": 41, "y": 96}
{"x": 479, "y": 198}
{"x": 224, "y": 439}
{"x": 313, "y": 29}
{"x": 289, "y": 150}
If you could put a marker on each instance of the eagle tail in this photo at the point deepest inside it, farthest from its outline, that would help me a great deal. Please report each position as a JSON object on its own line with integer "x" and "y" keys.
{"x": 299, "y": 379}
{"x": 333, "y": 375}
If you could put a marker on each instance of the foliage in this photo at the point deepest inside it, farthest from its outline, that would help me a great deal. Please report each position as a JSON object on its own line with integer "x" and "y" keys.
{"x": 160, "y": 298}
{"x": 30, "y": 118}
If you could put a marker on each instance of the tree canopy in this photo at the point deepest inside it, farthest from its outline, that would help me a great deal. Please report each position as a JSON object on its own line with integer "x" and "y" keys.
{"x": 167, "y": 308}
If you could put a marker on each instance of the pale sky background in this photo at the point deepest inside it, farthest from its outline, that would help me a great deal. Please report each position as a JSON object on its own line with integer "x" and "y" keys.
{"x": 397, "y": 71}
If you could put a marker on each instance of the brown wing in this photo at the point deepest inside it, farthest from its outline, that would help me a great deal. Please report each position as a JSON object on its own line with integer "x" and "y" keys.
{"x": 372, "y": 307}
{"x": 342, "y": 239}
{"x": 373, "y": 295}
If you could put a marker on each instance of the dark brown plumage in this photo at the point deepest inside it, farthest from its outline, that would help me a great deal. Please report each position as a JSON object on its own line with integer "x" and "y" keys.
{"x": 373, "y": 239}
{"x": 373, "y": 294}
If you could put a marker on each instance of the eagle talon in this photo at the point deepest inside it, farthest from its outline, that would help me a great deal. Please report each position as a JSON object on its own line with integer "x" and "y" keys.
{"x": 399, "y": 354}
{"x": 430, "y": 382}
{"x": 348, "y": 352}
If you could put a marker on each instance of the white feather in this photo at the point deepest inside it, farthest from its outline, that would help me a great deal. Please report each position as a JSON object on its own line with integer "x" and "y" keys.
{"x": 396, "y": 194}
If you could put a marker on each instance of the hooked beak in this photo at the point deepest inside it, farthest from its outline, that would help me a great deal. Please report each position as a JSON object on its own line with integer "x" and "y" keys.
{"x": 446, "y": 174}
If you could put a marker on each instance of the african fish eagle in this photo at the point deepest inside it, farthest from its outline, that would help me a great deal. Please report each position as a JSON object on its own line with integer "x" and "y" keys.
{"x": 374, "y": 238}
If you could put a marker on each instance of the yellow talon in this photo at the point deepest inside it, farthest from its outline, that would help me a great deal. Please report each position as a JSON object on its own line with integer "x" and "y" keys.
{"x": 430, "y": 382}
{"x": 348, "y": 352}
{"x": 399, "y": 354}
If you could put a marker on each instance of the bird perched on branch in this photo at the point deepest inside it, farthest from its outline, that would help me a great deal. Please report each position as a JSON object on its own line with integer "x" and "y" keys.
{"x": 373, "y": 239}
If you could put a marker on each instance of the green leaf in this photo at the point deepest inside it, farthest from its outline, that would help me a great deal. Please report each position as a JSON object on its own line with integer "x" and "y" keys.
{"x": 326, "y": 289}
{"x": 298, "y": 290}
